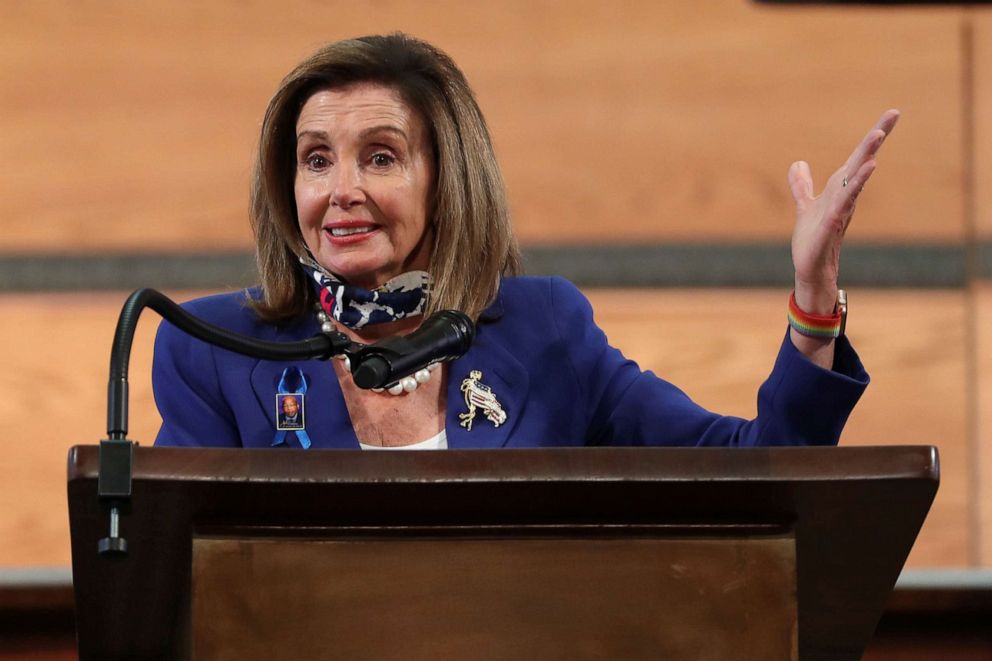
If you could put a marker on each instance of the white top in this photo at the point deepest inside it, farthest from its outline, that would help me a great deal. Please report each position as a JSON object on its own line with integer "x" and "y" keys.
{"x": 439, "y": 442}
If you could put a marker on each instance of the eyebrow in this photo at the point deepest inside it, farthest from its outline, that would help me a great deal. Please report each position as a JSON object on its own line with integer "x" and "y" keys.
{"x": 322, "y": 135}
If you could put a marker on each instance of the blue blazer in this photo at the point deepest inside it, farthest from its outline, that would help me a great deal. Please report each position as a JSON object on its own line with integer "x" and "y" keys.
{"x": 551, "y": 368}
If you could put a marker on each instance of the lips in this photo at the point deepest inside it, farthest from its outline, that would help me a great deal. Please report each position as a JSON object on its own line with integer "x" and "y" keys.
{"x": 345, "y": 232}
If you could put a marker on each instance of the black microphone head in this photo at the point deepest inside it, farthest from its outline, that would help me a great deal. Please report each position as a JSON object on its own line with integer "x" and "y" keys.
{"x": 372, "y": 372}
{"x": 460, "y": 324}
{"x": 444, "y": 336}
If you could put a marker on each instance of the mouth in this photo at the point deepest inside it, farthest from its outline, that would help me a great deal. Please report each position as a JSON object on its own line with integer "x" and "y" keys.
{"x": 349, "y": 231}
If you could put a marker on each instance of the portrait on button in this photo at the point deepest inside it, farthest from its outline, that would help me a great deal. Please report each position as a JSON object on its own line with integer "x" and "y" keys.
{"x": 289, "y": 412}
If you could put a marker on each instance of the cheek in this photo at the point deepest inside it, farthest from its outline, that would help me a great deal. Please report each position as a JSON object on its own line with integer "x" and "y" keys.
{"x": 415, "y": 209}
{"x": 307, "y": 205}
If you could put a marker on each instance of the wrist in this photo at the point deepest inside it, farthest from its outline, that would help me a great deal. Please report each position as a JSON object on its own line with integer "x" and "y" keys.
{"x": 819, "y": 326}
{"x": 816, "y": 299}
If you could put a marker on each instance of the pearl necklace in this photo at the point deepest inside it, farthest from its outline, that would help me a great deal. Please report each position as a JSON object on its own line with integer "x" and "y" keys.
{"x": 404, "y": 385}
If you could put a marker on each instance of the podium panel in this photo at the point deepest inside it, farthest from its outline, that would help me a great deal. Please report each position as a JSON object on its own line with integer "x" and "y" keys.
{"x": 520, "y": 596}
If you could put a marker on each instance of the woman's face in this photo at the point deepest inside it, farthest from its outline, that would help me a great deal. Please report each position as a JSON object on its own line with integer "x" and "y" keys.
{"x": 364, "y": 178}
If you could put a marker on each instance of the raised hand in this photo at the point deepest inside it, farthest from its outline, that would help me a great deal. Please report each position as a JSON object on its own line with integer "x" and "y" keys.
{"x": 822, "y": 221}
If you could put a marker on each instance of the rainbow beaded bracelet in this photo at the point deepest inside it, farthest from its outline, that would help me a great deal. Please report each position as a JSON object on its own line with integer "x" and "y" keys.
{"x": 819, "y": 325}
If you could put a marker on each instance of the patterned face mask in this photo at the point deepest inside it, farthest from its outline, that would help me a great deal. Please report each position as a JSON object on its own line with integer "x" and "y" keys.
{"x": 355, "y": 307}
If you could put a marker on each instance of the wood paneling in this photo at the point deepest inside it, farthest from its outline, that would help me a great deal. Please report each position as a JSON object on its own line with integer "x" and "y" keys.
{"x": 131, "y": 125}
{"x": 55, "y": 350}
{"x": 981, "y": 20}
{"x": 525, "y": 598}
{"x": 982, "y": 467}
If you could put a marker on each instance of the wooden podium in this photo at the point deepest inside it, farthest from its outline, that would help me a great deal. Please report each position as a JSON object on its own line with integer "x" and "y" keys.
{"x": 631, "y": 553}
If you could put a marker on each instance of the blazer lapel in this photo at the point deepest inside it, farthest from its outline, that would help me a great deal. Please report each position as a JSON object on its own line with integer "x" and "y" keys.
{"x": 505, "y": 376}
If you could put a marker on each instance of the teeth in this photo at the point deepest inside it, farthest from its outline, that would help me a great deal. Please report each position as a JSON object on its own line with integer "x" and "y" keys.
{"x": 347, "y": 231}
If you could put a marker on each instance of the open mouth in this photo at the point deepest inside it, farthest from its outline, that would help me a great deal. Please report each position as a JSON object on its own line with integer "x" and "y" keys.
{"x": 349, "y": 231}
{"x": 344, "y": 232}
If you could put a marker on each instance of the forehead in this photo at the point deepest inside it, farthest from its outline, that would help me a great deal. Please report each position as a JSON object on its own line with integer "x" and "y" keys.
{"x": 358, "y": 106}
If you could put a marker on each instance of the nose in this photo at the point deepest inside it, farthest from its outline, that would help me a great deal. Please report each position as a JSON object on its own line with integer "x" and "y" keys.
{"x": 347, "y": 188}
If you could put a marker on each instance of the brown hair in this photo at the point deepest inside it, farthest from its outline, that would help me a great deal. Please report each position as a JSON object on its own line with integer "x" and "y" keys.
{"x": 473, "y": 241}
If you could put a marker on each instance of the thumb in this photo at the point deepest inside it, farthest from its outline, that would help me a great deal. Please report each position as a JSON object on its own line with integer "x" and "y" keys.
{"x": 801, "y": 183}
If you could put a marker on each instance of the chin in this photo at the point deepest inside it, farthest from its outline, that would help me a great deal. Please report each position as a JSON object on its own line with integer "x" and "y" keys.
{"x": 362, "y": 276}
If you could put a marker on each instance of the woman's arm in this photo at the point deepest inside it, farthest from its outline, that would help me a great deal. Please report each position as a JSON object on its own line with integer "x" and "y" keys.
{"x": 800, "y": 403}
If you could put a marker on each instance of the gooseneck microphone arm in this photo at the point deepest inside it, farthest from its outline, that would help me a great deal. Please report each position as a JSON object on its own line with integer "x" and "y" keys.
{"x": 114, "y": 481}
{"x": 322, "y": 346}
{"x": 445, "y": 336}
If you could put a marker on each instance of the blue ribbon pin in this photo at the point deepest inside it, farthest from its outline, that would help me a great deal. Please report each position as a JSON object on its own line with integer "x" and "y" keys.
{"x": 292, "y": 375}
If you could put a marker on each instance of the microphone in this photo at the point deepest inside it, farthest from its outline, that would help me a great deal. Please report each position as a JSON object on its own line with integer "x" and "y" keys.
{"x": 446, "y": 335}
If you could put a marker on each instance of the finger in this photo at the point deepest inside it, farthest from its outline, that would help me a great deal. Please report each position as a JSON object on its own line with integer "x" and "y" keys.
{"x": 872, "y": 141}
{"x": 857, "y": 183}
{"x": 865, "y": 150}
{"x": 888, "y": 120}
{"x": 842, "y": 204}
{"x": 801, "y": 183}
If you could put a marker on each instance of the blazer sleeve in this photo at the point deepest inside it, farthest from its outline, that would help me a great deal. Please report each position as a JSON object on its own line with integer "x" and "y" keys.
{"x": 798, "y": 404}
{"x": 188, "y": 393}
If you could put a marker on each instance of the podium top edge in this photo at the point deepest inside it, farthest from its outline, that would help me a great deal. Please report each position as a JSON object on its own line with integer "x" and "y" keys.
{"x": 807, "y": 464}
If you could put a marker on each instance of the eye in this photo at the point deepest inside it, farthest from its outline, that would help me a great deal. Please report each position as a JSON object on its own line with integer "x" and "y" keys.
{"x": 383, "y": 159}
{"x": 316, "y": 162}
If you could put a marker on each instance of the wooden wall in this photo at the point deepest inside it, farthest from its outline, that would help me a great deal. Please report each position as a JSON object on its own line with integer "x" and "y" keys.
{"x": 980, "y": 189}
{"x": 132, "y": 126}
{"x": 128, "y": 128}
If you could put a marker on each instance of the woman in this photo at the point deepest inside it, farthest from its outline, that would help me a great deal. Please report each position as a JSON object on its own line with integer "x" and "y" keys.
{"x": 377, "y": 200}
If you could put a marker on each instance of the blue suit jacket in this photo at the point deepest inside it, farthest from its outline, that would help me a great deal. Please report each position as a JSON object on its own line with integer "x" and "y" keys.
{"x": 538, "y": 349}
